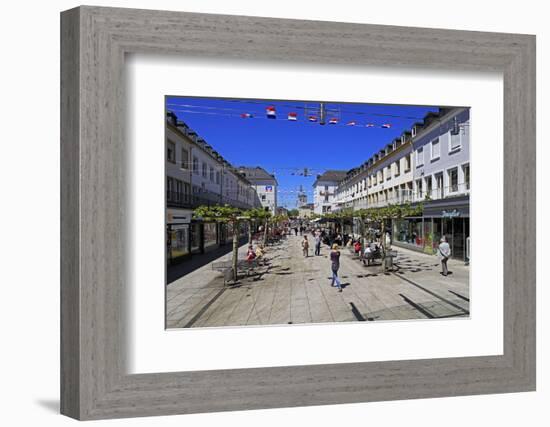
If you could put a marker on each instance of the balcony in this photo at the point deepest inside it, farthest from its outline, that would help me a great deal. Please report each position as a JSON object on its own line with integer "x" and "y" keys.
{"x": 444, "y": 192}
{"x": 175, "y": 199}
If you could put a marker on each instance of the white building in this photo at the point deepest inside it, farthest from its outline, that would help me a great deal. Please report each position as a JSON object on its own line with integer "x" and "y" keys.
{"x": 324, "y": 190}
{"x": 265, "y": 185}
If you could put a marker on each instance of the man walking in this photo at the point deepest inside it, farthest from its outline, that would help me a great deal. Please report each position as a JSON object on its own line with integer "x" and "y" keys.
{"x": 444, "y": 252}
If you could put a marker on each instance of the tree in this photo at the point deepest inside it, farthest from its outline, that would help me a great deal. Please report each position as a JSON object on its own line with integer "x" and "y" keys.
{"x": 227, "y": 214}
{"x": 256, "y": 215}
{"x": 293, "y": 213}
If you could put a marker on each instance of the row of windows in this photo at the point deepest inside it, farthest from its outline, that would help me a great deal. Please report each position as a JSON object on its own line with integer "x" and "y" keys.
{"x": 433, "y": 186}
{"x": 454, "y": 142}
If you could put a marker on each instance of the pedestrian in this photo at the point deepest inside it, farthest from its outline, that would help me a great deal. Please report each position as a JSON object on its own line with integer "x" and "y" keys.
{"x": 357, "y": 247}
{"x": 367, "y": 255}
{"x": 444, "y": 252}
{"x": 305, "y": 246}
{"x": 296, "y": 231}
{"x": 260, "y": 254}
{"x": 318, "y": 244}
{"x": 335, "y": 266}
{"x": 250, "y": 253}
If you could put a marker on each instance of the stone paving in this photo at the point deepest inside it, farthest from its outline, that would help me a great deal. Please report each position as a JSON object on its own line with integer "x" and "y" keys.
{"x": 296, "y": 289}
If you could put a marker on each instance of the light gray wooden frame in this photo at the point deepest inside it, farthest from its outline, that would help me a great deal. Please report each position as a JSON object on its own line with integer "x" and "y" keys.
{"x": 94, "y": 381}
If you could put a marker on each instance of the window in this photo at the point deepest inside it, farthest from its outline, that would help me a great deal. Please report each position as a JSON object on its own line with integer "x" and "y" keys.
{"x": 326, "y": 187}
{"x": 419, "y": 193}
{"x": 211, "y": 174}
{"x": 455, "y": 141}
{"x": 179, "y": 189}
{"x": 184, "y": 159}
{"x": 195, "y": 165}
{"x": 218, "y": 177}
{"x": 326, "y": 197}
{"x": 420, "y": 157}
{"x": 407, "y": 162}
{"x": 428, "y": 186}
{"x": 397, "y": 168}
{"x": 436, "y": 151}
{"x": 388, "y": 173}
{"x": 466, "y": 170}
{"x": 171, "y": 151}
{"x": 169, "y": 187}
{"x": 413, "y": 131}
{"x": 453, "y": 180}
{"x": 204, "y": 170}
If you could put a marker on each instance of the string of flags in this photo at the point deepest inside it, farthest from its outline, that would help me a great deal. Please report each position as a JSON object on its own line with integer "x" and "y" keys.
{"x": 271, "y": 113}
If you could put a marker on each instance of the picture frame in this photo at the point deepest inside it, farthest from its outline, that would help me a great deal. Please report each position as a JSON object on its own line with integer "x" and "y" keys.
{"x": 94, "y": 379}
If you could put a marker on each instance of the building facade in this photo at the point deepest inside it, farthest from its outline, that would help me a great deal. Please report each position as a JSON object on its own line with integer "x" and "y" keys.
{"x": 427, "y": 164}
{"x": 324, "y": 190}
{"x": 441, "y": 181}
{"x": 196, "y": 174}
{"x": 264, "y": 184}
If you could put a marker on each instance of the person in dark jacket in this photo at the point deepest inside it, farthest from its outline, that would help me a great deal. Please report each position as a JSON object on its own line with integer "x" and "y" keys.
{"x": 335, "y": 266}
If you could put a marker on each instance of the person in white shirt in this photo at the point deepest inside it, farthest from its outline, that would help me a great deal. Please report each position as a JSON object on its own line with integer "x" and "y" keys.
{"x": 444, "y": 253}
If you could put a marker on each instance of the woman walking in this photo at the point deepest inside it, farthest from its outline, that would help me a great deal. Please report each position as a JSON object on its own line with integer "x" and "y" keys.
{"x": 335, "y": 266}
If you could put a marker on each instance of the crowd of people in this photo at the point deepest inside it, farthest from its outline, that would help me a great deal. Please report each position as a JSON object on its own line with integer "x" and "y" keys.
{"x": 373, "y": 249}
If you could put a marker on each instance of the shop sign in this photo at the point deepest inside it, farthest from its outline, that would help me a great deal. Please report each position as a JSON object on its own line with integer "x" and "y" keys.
{"x": 450, "y": 214}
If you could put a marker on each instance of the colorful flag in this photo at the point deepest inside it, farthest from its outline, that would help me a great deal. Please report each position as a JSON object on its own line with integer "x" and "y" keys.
{"x": 292, "y": 116}
{"x": 386, "y": 126}
{"x": 333, "y": 121}
{"x": 352, "y": 123}
{"x": 271, "y": 114}
{"x": 370, "y": 125}
{"x": 312, "y": 118}
{"x": 246, "y": 116}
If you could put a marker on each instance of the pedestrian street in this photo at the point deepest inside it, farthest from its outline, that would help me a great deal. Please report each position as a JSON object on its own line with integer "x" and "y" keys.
{"x": 293, "y": 289}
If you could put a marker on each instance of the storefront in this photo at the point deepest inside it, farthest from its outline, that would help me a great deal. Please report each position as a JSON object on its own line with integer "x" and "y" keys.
{"x": 177, "y": 235}
{"x": 447, "y": 217}
{"x": 210, "y": 234}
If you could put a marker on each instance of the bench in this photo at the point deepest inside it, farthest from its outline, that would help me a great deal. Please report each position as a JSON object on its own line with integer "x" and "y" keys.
{"x": 226, "y": 268}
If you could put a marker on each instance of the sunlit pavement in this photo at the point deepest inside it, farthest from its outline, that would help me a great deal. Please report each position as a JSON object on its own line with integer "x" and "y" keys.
{"x": 295, "y": 289}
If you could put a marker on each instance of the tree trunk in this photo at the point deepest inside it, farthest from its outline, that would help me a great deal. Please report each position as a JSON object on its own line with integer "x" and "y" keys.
{"x": 235, "y": 250}
{"x": 265, "y": 232}
{"x": 383, "y": 237}
{"x": 362, "y": 237}
{"x": 250, "y": 232}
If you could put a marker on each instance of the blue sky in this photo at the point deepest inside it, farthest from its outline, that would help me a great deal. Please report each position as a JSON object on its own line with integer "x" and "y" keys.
{"x": 286, "y": 147}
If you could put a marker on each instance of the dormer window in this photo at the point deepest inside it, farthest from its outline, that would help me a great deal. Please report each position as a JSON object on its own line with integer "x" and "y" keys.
{"x": 413, "y": 131}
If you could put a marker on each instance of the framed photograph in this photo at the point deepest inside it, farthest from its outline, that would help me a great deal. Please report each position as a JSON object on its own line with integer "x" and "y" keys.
{"x": 262, "y": 213}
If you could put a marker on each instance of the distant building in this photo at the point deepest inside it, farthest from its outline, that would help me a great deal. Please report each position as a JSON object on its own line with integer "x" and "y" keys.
{"x": 281, "y": 211}
{"x": 302, "y": 199}
{"x": 305, "y": 211}
{"x": 324, "y": 190}
{"x": 265, "y": 185}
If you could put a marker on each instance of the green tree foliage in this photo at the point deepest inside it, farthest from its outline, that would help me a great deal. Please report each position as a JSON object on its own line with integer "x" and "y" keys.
{"x": 293, "y": 213}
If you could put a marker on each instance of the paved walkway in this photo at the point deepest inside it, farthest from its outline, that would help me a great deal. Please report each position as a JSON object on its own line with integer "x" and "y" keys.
{"x": 295, "y": 289}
